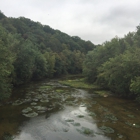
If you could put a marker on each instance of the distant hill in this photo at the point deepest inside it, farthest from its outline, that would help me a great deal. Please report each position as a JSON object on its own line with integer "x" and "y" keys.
{"x": 43, "y": 36}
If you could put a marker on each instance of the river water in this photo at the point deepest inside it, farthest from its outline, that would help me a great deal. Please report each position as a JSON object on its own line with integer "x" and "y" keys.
{"x": 48, "y": 110}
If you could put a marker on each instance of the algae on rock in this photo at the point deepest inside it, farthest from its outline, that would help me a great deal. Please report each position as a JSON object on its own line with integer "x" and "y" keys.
{"x": 28, "y": 109}
{"x": 86, "y": 131}
{"x": 32, "y": 114}
{"x": 107, "y": 129}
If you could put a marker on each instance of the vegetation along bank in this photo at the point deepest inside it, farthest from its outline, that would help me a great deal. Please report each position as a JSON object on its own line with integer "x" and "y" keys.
{"x": 32, "y": 51}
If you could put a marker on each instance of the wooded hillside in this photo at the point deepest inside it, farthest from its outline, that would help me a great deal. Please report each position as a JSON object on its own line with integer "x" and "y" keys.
{"x": 115, "y": 65}
{"x": 30, "y": 50}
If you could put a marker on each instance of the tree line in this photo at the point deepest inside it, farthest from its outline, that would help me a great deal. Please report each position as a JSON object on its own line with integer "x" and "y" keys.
{"x": 32, "y": 51}
{"x": 115, "y": 65}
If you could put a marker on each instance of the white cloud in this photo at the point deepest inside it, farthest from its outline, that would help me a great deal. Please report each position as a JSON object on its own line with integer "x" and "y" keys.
{"x": 95, "y": 20}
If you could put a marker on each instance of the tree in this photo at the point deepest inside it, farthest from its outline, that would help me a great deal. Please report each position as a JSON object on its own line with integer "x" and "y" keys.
{"x": 117, "y": 72}
{"x": 78, "y": 58}
{"x": 24, "y": 63}
{"x": 2, "y": 15}
{"x": 135, "y": 87}
{"x": 30, "y": 50}
{"x": 50, "y": 61}
{"x": 92, "y": 61}
{"x": 40, "y": 69}
{"x": 6, "y": 67}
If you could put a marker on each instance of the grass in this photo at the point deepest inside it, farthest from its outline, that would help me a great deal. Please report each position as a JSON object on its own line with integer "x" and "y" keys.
{"x": 103, "y": 93}
{"x": 45, "y": 87}
{"x": 79, "y": 83}
{"x": 59, "y": 90}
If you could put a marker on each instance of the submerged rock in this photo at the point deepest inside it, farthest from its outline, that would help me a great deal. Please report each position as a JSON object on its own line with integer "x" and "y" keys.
{"x": 33, "y": 103}
{"x": 133, "y": 125}
{"x": 103, "y": 108}
{"x": 39, "y": 97}
{"x": 35, "y": 100}
{"x": 128, "y": 123}
{"x": 136, "y": 125}
{"x": 107, "y": 129}
{"x": 32, "y": 114}
{"x": 92, "y": 114}
{"x": 69, "y": 120}
{"x": 83, "y": 105}
{"x": 131, "y": 116}
{"x": 75, "y": 124}
{"x": 44, "y": 100}
{"x": 86, "y": 131}
{"x": 111, "y": 117}
{"x": 70, "y": 103}
{"x": 27, "y": 100}
{"x": 28, "y": 109}
{"x": 65, "y": 129}
{"x": 120, "y": 136}
{"x": 18, "y": 102}
{"x": 94, "y": 102}
{"x": 80, "y": 116}
{"x": 40, "y": 108}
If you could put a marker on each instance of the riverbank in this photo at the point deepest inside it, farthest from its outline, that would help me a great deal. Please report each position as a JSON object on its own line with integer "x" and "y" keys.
{"x": 78, "y": 82}
{"x": 72, "y": 113}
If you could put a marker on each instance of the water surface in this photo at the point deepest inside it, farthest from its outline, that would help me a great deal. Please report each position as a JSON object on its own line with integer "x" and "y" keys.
{"x": 64, "y": 113}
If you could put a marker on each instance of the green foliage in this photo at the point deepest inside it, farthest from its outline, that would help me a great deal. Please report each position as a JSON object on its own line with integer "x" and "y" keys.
{"x": 79, "y": 83}
{"x": 78, "y": 58}
{"x": 115, "y": 65}
{"x": 116, "y": 74}
{"x": 40, "y": 66}
{"x": 30, "y": 50}
{"x": 92, "y": 61}
{"x": 60, "y": 66}
{"x": 50, "y": 61}
{"x": 135, "y": 85}
{"x": 24, "y": 63}
{"x": 45, "y": 37}
{"x": 6, "y": 68}
{"x": 2, "y": 15}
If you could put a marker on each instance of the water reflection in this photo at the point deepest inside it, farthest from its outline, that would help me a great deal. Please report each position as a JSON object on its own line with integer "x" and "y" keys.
{"x": 59, "y": 126}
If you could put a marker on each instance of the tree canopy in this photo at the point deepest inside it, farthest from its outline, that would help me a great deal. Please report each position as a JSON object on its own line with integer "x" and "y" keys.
{"x": 115, "y": 65}
{"x": 31, "y": 51}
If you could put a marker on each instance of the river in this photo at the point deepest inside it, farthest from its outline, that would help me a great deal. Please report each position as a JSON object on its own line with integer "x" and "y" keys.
{"x": 47, "y": 110}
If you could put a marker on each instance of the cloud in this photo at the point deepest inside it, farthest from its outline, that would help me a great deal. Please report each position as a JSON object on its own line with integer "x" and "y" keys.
{"x": 94, "y": 20}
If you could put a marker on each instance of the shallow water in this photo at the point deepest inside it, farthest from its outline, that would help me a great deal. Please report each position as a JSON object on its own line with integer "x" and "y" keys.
{"x": 65, "y": 113}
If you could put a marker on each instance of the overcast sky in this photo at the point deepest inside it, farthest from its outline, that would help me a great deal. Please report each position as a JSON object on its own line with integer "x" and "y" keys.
{"x": 94, "y": 20}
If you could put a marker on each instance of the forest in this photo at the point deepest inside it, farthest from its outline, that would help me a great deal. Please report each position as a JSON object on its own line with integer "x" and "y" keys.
{"x": 115, "y": 65}
{"x": 32, "y": 51}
